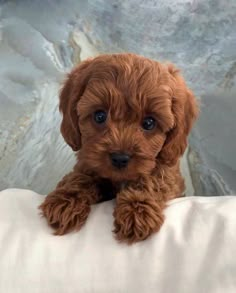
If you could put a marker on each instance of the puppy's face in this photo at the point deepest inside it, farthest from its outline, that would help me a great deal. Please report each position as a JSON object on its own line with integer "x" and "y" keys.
{"x": 123, "y": 125}
{"x": 122, "y": 112}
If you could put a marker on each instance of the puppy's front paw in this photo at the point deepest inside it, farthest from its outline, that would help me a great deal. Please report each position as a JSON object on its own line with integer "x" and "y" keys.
{"x": 136, "y": 219}
{"x": 65, "y": 213}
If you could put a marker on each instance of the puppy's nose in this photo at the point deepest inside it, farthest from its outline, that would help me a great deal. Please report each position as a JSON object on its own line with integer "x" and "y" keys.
{"x": 119, "y": 160}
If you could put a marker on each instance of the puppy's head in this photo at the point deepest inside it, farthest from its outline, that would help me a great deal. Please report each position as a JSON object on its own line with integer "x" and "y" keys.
{"x": 126, "y": 114}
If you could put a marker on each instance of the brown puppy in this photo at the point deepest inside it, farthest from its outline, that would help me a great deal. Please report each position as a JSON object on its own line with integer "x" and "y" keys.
{"x": 129, "y": 117}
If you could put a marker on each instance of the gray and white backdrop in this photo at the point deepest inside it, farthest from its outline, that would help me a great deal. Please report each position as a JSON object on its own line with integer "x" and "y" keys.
{"x": 41, "y": 40}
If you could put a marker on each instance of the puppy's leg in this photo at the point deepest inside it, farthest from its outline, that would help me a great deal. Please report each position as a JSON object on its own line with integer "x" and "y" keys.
{"x": 138, "y": 214}
{"x": 68, "y": 206}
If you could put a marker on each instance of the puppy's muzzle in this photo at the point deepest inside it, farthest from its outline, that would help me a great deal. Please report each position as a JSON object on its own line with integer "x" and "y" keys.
{"x": 119, "y": 160}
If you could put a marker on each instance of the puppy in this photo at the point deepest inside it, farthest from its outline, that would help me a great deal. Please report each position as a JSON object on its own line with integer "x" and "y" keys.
{"x": 129, "y": 118}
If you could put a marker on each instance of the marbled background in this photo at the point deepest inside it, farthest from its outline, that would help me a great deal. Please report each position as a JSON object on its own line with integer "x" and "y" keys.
{"x": 41, "y": 40}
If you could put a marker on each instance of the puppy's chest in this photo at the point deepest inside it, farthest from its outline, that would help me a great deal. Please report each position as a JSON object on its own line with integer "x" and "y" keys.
{"x": 109, "y": 190}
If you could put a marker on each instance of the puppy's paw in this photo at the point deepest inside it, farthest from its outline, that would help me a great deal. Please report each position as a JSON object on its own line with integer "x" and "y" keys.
{"x": 65, "y": 213}
{"x": 135, "y": 219}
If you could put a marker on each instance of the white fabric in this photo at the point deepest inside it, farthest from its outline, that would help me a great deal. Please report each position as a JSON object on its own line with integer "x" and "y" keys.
{"x": 195, "y": 251}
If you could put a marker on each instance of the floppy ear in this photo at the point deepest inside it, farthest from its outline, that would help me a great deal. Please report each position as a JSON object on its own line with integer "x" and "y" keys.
{"x": 185, "y": 111}
{"x": 70, "y": 94}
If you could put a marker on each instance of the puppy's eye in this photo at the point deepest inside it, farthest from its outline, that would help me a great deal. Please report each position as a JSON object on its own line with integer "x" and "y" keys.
{"x": 148, "y": 123}
{"x": 100, "y": 116}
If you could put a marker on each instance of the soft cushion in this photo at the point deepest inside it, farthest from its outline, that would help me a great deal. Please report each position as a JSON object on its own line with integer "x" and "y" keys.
{"x": 195, "y": 251}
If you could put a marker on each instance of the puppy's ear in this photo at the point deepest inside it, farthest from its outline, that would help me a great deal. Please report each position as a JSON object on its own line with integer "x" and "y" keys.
{"x": 71, "y": 92}
{"x": 185, "y": 111}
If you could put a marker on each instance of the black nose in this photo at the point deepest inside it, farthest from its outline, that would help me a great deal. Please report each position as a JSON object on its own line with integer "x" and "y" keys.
{"x": 119, "y": 160}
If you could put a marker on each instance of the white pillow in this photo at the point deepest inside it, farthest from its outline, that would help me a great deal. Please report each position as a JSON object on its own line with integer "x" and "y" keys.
{"x": 195, "y": 251}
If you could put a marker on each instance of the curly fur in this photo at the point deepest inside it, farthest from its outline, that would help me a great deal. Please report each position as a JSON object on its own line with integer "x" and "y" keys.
{"x": 128, "y": 87}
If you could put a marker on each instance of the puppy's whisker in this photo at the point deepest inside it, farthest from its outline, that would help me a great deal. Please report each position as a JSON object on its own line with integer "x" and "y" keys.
{"x": 143, "y": 156}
